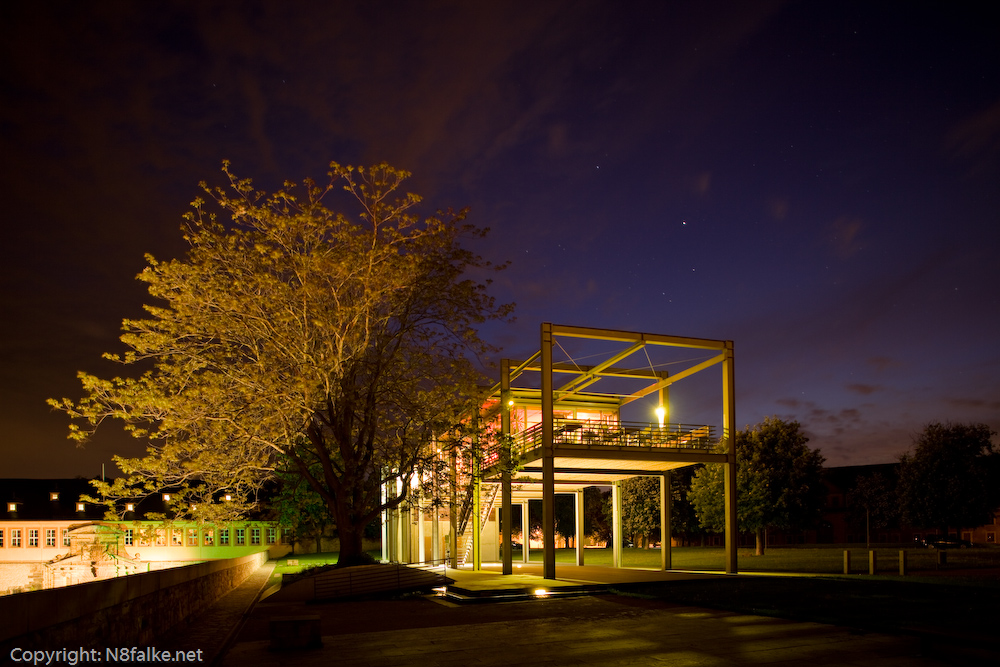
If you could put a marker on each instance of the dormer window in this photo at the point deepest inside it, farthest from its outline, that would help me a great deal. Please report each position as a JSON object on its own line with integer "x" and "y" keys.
{"x": 80, "y": 507}
{"x": 54, "y": 495}
{"x": 129, "y": 507}
{"x": 166, "y": 497}
{"x": 229, "y": 496}
{"x": 11, "y": 507}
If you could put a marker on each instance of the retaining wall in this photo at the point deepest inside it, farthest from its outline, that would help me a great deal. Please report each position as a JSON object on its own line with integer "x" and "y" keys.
{"x": 123, "y": 611}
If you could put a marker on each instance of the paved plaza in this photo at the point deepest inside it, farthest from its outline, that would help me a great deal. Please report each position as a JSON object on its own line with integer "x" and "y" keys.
{"x": 596, "y": 629}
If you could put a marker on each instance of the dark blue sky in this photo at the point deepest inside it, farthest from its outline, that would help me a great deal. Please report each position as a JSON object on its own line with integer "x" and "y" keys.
{"x": 815, "y": 181}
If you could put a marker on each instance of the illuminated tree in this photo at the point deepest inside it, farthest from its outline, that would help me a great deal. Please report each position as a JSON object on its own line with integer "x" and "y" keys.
{"x": 952, "y": 478}
{"x": 778, "y": 481}
{"x": 640, "y": 508}
{"x": 294, "y": 337}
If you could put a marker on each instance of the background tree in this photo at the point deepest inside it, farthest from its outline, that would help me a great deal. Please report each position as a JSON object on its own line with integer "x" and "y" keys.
{"x": 683, "y": 517}
{"x": 565, "y": 517}
{"x": 299, "y": 507}
{"x": 873, "y": 503}
{"x": 641, "y": 508}
{"x": 294, "y": 336}
{"x": 952, "y": 478}
{"x": 597, "y": 513}
{"x": 778, "y": 481}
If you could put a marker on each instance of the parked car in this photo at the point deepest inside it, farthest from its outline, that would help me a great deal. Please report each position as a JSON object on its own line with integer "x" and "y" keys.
{"x": 945, "y": 542}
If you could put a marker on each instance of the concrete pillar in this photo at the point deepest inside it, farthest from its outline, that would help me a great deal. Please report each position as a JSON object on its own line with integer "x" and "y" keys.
{"x": 847, "y": 561}
{"x": 616, "y": 524}
{"x": 579, "y": 527}
{"x": 665, "y": 531}
{"x": 436, "y": 554}
{"x": 421, "y": 547}
{"x": 402, "y": 527}
{"x": 902, "y": 563}
{"x": 525, "y": 533}
{"x": 385, "y": 525}
{"x": 548, "y": 460}
{"x": 872, "y": 562}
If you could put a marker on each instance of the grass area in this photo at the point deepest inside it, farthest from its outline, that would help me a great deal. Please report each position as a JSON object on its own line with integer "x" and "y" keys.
{"x": 828, "y": 560}
{"x": 307, "y": 561}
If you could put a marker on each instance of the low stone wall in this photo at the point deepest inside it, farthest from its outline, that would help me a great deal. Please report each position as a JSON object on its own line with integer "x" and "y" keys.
{"x": 124, "y": 611}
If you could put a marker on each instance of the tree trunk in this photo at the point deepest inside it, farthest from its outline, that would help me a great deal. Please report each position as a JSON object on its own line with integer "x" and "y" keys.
{"x": 350, "y": 534}
{"x": 759, "y": 533}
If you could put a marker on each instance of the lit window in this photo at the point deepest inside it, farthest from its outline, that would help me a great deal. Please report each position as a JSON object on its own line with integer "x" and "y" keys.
{"x": 54, "y": 495}
{"x": 15, "y": 537}
{"x": 11, "y": 507}
{"x": 161, "y": 537}
{"x": 65, "y": 533}
{"x": 255, "y": 536}
{"x": 166, "y": 497}
{"x": 80, "y": 507}
{"x": 209, "y": 538}
{"x": 50, "y": 537}
{"x": 129, "y": 507}
{"x": 192, "y": 537}
{"x": 194, "y": 507}
{"x": 32, "y": 537}
{"x": 128, "y": 537}
{"x": 178, "y": 537}
{"x": 229, "y": 496}
{"x": 1, "y": 538}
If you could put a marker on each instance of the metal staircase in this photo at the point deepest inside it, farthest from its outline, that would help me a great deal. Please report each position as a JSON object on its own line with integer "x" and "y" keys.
{"x": 489, "y": 492}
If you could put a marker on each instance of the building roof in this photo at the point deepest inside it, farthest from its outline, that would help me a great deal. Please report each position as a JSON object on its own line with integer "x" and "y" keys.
{"x": 47, "y": 499}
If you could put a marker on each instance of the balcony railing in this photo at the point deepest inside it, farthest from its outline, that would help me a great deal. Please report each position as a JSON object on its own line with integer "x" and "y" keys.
{"x": 606, "y": 434}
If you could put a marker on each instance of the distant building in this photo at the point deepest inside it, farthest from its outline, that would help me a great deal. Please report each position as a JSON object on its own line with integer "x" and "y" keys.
{"x": 49, "y": 537}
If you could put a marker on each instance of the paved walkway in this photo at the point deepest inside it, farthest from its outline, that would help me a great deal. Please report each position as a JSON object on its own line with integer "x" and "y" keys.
{"x": 592, "y": 630}
{"x": 212, "y": 630}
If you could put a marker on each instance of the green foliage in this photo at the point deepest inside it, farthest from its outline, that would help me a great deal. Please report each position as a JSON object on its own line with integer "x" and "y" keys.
{"x": 298, "y": 506}
{"x": 291, "y": 336}
{"x": 952, "y": 478}
{"x": 683, "y": 517}
{"x": 778, "y": 481}
{"x": 597, "y": 518}
{"x": 641, "y": 507}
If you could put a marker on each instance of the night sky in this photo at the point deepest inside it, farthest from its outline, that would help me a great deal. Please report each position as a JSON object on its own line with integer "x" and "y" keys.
{"x": 816, "y": 181}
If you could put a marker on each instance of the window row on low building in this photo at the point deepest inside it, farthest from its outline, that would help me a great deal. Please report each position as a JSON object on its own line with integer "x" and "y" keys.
{"x": 149, "y": 535}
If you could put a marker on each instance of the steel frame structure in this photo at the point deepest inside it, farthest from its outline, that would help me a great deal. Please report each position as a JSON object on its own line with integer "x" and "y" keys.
{"x": 554, "y": 459}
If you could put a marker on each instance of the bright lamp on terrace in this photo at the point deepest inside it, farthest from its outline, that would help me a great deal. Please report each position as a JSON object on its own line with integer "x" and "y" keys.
{"x": 661, "y": 414}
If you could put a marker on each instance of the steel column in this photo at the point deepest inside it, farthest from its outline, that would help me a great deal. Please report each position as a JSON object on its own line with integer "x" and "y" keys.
{"x": 506, "y": 510}
{"x": 548, "y": 460}
{"x": 729, "y": 431}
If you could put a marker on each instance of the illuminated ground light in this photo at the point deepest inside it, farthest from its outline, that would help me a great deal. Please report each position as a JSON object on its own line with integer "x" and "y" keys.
{"x": 540, "y": 592}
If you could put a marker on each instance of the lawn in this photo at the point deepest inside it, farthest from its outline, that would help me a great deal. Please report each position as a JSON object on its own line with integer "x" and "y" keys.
{"x": 306, "y": 561}
{"x": 829, "y": 560}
